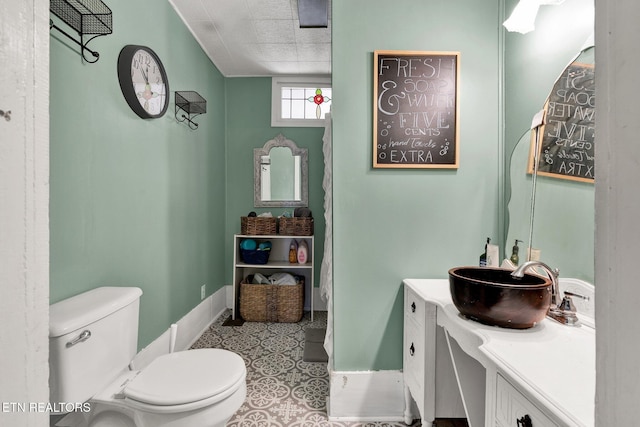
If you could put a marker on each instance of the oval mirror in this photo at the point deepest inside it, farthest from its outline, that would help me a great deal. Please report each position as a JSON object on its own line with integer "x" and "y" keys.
{"x": 558, "y": 218}
{"x": 280, "y": 174}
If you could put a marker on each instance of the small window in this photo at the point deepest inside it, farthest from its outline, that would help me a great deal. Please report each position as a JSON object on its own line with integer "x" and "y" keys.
{"x": 299, "y": 101}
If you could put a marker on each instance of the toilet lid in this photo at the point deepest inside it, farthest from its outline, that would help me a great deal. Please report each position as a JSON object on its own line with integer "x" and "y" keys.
{"x": 186, "y": 377}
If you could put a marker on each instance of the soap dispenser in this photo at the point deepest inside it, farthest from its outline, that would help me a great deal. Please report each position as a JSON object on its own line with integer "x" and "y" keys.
{"x": 483, "y": 257}
{"x": 515, "y": 259}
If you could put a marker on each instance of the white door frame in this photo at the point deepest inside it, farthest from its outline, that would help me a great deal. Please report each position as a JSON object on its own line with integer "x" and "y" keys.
{"x": 24, "y": 212}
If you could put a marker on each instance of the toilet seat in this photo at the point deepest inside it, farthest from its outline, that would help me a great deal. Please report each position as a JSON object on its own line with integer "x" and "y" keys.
{"x": 186, "y": 380}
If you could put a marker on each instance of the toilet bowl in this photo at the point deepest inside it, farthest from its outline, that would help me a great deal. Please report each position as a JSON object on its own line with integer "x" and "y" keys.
{"x": 91, "y": 344}
{"x": 199, "y": 388}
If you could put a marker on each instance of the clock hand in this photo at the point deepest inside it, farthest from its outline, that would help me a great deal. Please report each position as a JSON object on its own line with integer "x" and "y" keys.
{"x": 146, "y": 79}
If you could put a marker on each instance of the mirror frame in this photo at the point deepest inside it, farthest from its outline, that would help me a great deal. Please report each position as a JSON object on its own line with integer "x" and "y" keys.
{"x": 281, "y": 141}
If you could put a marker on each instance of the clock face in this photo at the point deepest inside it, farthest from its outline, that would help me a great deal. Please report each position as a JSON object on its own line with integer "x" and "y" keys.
{"x": 148, "y": 82}
{"x": 143, "y": 81}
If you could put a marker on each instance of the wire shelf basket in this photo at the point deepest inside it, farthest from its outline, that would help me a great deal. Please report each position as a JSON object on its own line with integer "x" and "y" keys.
{"x": 86, "y": 17}
{"x": 191, "y": 103}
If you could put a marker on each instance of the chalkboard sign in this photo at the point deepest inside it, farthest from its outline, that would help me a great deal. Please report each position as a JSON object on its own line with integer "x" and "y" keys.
{"x": 415, "y": 111}
{"x": 566, "y": 148}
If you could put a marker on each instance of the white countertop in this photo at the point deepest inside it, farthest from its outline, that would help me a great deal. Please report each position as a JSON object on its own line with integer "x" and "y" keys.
{"x": 554, "y": 363}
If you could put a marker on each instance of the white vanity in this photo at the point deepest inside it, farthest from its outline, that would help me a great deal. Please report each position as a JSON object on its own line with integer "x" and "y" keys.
{"x": 455, "y": 367}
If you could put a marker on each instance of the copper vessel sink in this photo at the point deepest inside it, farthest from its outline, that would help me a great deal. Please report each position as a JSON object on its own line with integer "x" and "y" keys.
{"x": 493, "y": 297}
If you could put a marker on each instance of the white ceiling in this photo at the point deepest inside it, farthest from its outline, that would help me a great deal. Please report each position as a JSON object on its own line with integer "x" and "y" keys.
{"x": 257, "y": 37}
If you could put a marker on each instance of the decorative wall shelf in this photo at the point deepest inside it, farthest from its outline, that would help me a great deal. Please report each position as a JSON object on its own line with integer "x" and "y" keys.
{"x": 87, "y": 18}
{"x": 191, "y": 103}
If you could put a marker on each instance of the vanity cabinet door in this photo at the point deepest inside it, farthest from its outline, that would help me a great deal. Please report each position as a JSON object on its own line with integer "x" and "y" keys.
{"x": 414, "y": 359}
{"x": 413, "y": 353}
{"x": 513, "y": 409}
{"x": 418, "y": 355}
{"x": 414, "y": 307}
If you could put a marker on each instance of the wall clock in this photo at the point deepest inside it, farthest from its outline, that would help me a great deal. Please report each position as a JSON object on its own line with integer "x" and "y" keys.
{"x": 143, "y": 81}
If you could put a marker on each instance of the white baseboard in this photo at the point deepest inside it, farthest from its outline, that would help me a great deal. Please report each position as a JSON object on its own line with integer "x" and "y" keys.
{"x": 366, "y": 396}
{"x": 229, "y": 296}
{"x": 194, "y": 323}
{"x": 189, "y": 329}
{"x": 353, "y": 395}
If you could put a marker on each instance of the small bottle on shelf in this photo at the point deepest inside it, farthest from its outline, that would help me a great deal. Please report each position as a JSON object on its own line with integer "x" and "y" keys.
{"x": 303, "y": 252}
{"x": 293, "y": 252}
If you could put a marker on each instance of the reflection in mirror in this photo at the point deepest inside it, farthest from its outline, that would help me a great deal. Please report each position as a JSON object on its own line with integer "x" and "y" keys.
{"x": 565, "y": 146}
{"x": 280, "y": 174}
{"x": 563, "y": 215}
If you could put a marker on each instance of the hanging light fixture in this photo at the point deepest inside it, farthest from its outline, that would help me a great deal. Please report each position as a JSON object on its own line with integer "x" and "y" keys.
{"x": 523, "y": 17}
{"x": 313, "y": 13}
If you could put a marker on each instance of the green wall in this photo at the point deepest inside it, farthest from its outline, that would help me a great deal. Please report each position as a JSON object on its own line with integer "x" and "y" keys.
{"x": 151, "y": 203}
{"x": 154, "y": 204}
{"x": 393, "y": 224}
{"x": 248, "y": 109}
{"x": 136, "y": 202}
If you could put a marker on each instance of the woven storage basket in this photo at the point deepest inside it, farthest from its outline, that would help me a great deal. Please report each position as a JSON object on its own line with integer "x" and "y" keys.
{"x": 297, "y": 226}
{"x": 271, "y": 303}
{"x": 257, "y": 225}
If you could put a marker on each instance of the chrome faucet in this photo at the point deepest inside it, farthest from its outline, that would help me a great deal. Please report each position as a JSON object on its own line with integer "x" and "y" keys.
{"x": 553, "y": 274}
{"x": 563, "y": 312}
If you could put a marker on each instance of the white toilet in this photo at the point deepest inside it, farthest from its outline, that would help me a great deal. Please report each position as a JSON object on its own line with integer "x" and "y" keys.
{"x": 92, "y": 340}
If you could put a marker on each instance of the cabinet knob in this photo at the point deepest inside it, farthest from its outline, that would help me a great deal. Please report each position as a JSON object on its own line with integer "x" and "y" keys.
{"x": 412, "y": 350}
{"x": 524, "y": 421}
{"x": 413, "y": 307}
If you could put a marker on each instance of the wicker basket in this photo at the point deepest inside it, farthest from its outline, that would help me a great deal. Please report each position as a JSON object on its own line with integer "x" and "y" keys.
{"x": 257, "y": 225}
{"x": 271, "y": 303}
{"x": 296, "y": 226}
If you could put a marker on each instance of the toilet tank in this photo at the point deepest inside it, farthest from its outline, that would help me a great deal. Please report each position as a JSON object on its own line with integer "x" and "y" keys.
{"x": 92, "y": 338}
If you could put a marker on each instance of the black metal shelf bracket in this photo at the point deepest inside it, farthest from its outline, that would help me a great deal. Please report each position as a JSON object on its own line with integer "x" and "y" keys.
{"x": 86, "y": 17}
{"x": 191, "y": 103}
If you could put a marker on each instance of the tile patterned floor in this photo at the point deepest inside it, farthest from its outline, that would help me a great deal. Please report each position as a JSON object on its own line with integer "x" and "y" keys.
{"x": 282, "y": 389}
